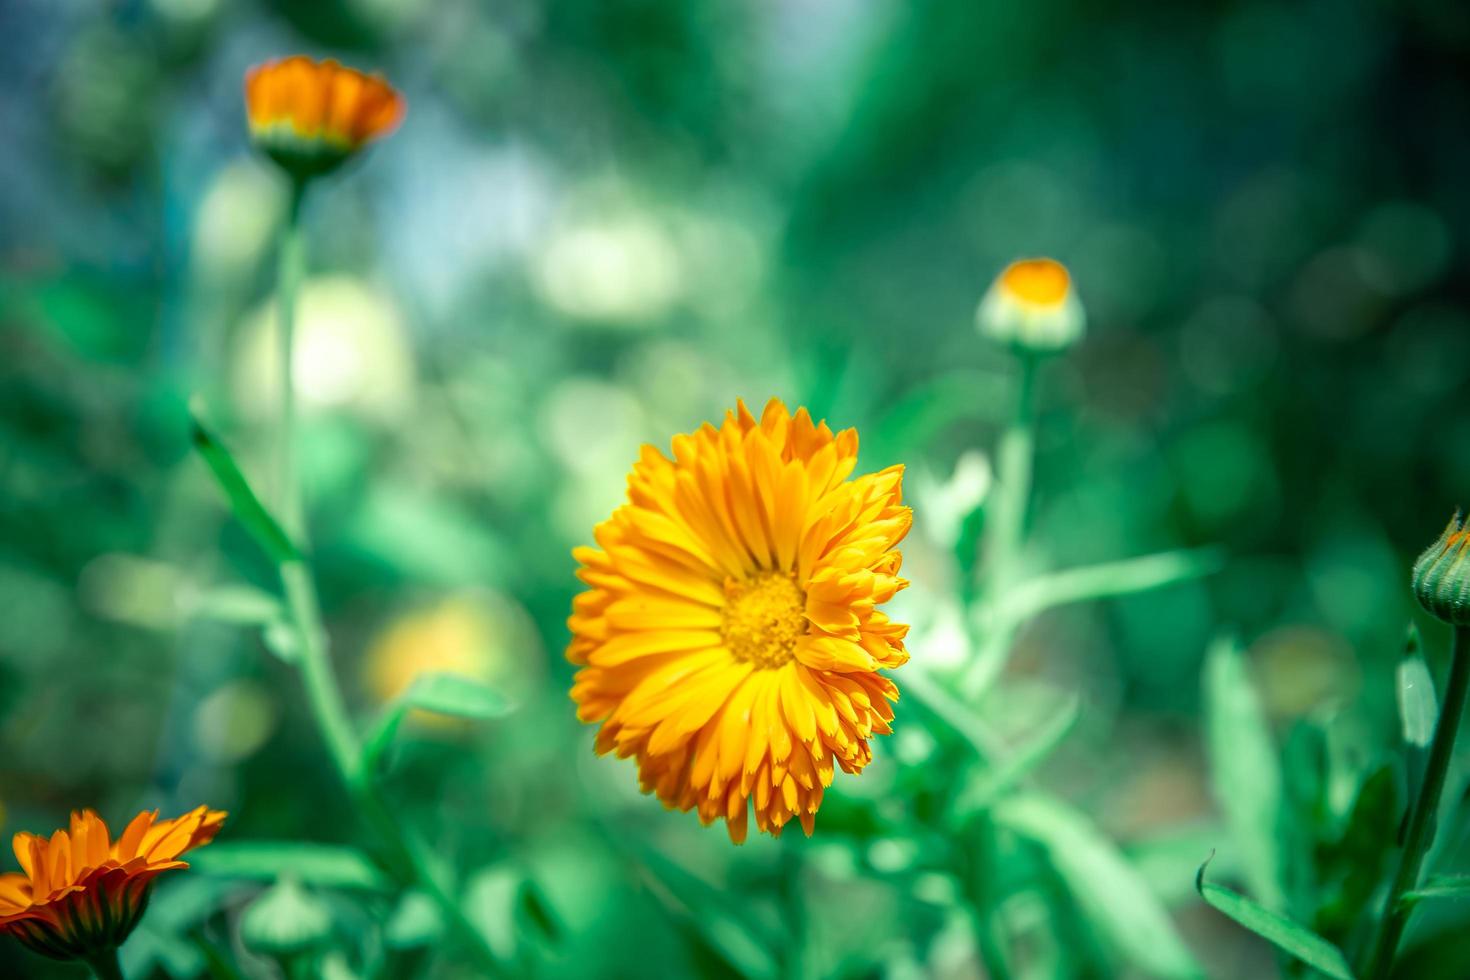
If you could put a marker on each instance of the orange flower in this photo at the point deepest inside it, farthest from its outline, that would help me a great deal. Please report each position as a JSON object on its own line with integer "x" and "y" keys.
{"x": 1032, "y": 306}
{"x": 730, "y": 639}
{"x": 310, "y": 116}
{"x": 83, "y": 893}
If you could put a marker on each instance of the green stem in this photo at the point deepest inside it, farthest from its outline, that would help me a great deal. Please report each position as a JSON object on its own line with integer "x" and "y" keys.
{"x": 1005, "y": 531}
{"x": 105, "y": 964}
{"x": 1420, "y": 834}
{"x": 289, "y": 271}
{"x": 411, "y": 862}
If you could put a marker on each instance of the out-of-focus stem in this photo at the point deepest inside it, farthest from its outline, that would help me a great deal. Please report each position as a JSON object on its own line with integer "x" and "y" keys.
{"x": 105, "y": 965}
{"x": 410, "y": 861}
{"x": 1005, "y": 529}
{"x": 1420, "y": 832}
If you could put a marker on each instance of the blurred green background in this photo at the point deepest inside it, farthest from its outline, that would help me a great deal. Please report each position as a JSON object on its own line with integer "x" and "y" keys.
{"x": 601, "y": 223}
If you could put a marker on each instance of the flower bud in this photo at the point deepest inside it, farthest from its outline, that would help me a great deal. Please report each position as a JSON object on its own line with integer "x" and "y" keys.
{"x": 1442, "y": 575}
{"x": 1032, "y": 307}
{"x": 286, "y": 921}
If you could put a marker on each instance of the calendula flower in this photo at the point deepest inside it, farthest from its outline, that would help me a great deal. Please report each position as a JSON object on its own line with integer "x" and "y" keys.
{"x": 81, "y": 893}
{"x": 1031, "y": 305}
{"x": 730, "y": 639}
{"x": 311, "y": 116}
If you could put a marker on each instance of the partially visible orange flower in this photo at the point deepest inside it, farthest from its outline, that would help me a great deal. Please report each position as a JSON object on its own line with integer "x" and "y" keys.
{"x": 310, "y": 116}
{"x": 730, "y": 638}
{"x": 82, "y": 893}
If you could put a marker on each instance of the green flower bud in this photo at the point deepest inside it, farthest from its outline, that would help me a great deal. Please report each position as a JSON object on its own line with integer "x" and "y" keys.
{"x": 286, "y": 921}
{"x": 1442, "y": 575}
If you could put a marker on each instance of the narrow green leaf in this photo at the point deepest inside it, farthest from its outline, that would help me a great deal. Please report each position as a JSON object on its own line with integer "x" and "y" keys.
{"x": 1110, "y": 889}
{"x": 242, "y": 605}
{"x": 1275, "y": 928}
{"x": 1244, "y": 768}
{"x": 1440, "y": 886}
{"x": 315, "y": 864}
{"x": 443, "y": 694}
{"x": 715, "y": 919}
{"x": 456, "y": 695}
{"x": 246, "y": 505}
{"x": 1112, "y": 578}
{"x": 1418, "y": 709}
{"x": 992, "y": 783}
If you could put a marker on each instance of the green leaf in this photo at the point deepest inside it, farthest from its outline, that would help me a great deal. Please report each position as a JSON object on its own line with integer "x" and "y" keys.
{"x": 246, "y": 505}
{"x": 316, "y": 864}
{"x": 455, "y": 695}
{"x": 1112, "y": 578}
{"x": 242, "y": 605}
{"x": 1275, "y": 928}
{"x": 991, "y": 784}
{"x": 416, "y": 922}
{"x": 443, "y": 694}
{"x": 1440, "y": 886}
{"x": 1245, "y": 770}
{"x": 1110, "y": 889}
{"x": 1356, "y": 861}
{"x": 1418, "y": 709}
{"x": 714, "y": 917}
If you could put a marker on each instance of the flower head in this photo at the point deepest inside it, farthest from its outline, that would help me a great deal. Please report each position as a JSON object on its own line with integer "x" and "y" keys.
{"x": 1031, "y": 305}
{"x": 1442, "y": 575}
{"x": 730, "y": 639}
{"x": 311, "y": 116}
{"x": 82, "y": 892}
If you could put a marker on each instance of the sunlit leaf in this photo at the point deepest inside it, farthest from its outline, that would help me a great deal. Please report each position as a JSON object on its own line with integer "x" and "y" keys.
{"x": 246, "y": 505}
{"x": 314, "y": 864}
{"x": 1244, "y": 768}
{"x": 1110, "y": 889}
{"x": 244, "y": 605}
{"x": 1418, "y": 709}
{"x": 1110, "y": 579}
{"x": 1277, "y": 929}
{"x": 456, "y": 695}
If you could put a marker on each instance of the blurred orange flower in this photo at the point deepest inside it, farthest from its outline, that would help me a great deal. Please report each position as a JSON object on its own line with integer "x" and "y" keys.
{"x": 310, "y": 116}
{"x": 1032, "y": 305}
{"x": 730, "y": 638}
{"x": 81, "y": 892}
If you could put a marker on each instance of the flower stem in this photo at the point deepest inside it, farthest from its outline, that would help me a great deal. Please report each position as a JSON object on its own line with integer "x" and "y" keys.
{"x": 1420, "y": 833}
{"x": 105, "y": 964}
{"x": 289, "y": 270}
{"x": 410, "y": 861}
{"x": 1005, "y": 531}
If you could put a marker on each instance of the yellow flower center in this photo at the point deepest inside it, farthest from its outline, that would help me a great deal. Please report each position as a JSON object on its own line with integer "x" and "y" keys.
{"x": 1042, "y": 282}
{"x": 764, "y": 617}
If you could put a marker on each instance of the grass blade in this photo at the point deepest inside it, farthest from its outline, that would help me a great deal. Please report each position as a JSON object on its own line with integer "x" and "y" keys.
{"x": 1245, "y": 770}
{"x": 1275, "y": 928}
{"x": 1110, "y": 889}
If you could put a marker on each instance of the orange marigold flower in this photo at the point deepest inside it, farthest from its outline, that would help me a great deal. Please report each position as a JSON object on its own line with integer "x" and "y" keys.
{"x": 310, "y": 116}
{"x": 730, "y": 639}
{"x": 82, "y": 893}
